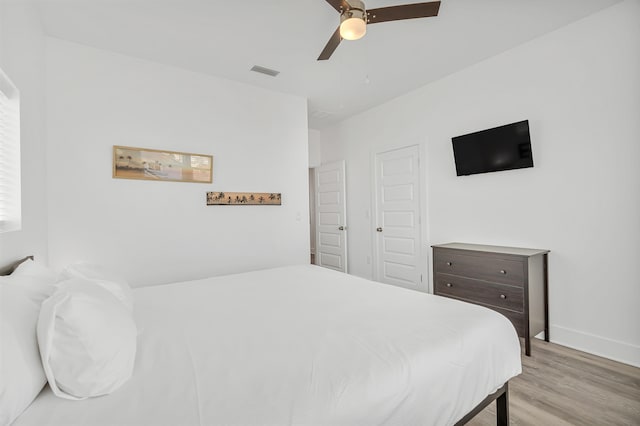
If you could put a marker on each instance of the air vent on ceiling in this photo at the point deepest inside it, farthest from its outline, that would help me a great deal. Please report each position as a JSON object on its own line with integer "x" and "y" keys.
{"x": 320, "y": 115}
{"x": 263, "y": 70}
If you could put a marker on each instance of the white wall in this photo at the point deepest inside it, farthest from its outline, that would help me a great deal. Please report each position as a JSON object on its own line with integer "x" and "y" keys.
{"x": 22, "y": 58}
{"x": 315, "y": 147}
{"x": 580, "y": 89}
{"x": 156, "y": 232}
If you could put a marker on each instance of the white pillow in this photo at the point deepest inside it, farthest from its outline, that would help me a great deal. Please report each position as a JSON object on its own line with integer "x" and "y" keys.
{"x": 21, "y": 373}
{"x": 31, "y": 268}
{"x": 87, "y": 340}
{"x": 110, "y": 280}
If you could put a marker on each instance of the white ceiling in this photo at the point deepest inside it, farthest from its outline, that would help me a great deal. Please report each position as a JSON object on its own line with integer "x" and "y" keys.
{"x": 226, "y": 38}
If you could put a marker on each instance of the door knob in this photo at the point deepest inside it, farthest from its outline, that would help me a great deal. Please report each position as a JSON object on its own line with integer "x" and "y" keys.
{"x": 342, "y": 228}
{"x": 379, "y": 229}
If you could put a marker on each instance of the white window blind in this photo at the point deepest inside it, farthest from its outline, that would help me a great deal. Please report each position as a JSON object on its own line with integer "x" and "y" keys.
{"x": 10, "y": 214}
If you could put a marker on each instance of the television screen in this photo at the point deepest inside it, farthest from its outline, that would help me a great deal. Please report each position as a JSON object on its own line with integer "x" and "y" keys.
{"x": 501, "y": 148}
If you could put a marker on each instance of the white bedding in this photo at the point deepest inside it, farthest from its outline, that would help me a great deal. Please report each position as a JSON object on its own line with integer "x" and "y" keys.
{"x": 299, "y": 345}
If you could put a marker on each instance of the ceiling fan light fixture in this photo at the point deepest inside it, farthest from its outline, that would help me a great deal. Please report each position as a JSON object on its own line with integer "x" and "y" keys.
{"x": 353, "y": 22}
{"x": 353, "y": 29}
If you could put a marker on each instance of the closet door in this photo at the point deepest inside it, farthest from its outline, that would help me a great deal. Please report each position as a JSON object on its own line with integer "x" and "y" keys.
{"x": 397, "y": 235}
{"x": 331, "y": 214}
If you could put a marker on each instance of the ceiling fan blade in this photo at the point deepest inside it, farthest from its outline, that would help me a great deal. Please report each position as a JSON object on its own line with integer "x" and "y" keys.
{"x": 338, "y": 5}
{"x": 332, "y": 44}
{"x": 405, "y": 11}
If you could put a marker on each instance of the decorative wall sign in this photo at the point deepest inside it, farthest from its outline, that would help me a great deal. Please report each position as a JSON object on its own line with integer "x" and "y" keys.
{"x": 243, "y": 198}
{"x": 153, "y": 164}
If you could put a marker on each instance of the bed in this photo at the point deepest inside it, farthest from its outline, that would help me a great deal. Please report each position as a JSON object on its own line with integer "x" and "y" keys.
{"x": 301, "y": 345}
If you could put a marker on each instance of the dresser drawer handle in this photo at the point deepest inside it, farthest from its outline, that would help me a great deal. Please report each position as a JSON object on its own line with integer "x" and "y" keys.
{"x": 449, "y": 285}
{"x": 449, "y": 263}
{"x": 502, "y": 271}
{"x": 502, "y": 296}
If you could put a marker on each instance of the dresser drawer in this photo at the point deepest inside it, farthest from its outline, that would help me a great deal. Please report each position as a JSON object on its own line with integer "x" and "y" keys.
{"x": 498, "y": 295}
{"x": 481, "y": 267}
{"x": 516, "y": 318}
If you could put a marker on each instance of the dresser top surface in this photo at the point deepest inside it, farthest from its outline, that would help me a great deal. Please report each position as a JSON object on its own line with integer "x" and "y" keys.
{"x": 519, "y": 251}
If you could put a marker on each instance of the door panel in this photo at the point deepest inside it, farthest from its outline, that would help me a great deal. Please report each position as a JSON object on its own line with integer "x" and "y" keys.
{"x": 399, "y": 245}
{"x": 398, "y": 233}
{"x": 400, "y": 273}
{"x": 396, "y": 167}
{"x": 330, "y": 240}
{"x": 330, "y": 198}
{"x": 399, "y": 219}
{"x": 397, "y": 192}
{"x": 331, "y": 216}
{"x": 332, "y": 261}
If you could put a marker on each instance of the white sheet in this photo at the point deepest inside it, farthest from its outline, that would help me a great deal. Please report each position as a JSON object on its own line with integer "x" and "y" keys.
{"x": 299, "y": 345}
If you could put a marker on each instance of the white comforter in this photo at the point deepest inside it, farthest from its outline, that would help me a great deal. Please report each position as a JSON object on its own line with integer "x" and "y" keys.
{"x": 299, "y": 345}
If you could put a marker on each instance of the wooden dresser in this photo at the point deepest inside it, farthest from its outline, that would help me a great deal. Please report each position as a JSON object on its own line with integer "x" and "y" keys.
{"x": 509, "y": 280}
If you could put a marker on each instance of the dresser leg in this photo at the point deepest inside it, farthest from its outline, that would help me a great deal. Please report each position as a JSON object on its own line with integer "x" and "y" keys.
{"x": 527, "y": 346}
{"x": 545, "y": 267}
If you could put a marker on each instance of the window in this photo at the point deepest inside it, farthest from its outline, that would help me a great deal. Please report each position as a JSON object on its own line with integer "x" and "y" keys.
{"x": 10, "y": 215}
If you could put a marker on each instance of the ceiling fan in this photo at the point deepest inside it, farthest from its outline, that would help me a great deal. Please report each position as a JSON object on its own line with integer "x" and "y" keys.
{"x": 354, "y": 19}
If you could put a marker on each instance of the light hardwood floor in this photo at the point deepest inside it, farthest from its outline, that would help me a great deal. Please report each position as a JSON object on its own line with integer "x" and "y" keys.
{"x": 561, "y": 386}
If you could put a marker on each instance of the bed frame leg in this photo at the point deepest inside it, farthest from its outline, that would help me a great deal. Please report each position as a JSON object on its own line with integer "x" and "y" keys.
{"x": 501, "y": 397}
{"x": 502, "y": 407}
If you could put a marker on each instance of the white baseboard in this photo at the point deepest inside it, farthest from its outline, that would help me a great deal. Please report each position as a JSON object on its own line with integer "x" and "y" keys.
{"x": 596, "y": 345}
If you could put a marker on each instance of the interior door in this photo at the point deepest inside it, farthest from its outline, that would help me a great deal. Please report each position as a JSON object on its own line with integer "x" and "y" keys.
{"x": 397, "y": 235}
{"x": 331, "y": 214}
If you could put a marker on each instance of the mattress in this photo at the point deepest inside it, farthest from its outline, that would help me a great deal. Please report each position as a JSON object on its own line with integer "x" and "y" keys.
{"x": 299, "y": 345}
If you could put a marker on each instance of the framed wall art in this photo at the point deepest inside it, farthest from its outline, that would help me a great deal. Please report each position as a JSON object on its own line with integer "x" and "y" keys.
{"x": 244, "y": 198}
{"x": 153, "y": 164}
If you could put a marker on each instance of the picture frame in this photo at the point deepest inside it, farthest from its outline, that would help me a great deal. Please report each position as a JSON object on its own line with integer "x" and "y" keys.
{"x": 161, "y": 165}
{"x": 221, "y": 198}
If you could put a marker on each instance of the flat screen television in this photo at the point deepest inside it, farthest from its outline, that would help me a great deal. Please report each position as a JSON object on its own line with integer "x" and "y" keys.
{"x": 506, "y": 147}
